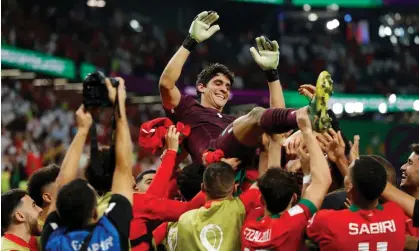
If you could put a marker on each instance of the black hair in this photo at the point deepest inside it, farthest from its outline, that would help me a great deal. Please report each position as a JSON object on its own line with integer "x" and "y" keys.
{"x": 102, "y": 182}
{"x": 218, "y": 180}
{"x": 190, "y": 179}
{"x": 142, "y": 174}
{"x": 39, "y": 180}
{"x": 211, "y": 71}
{"x": 9, "y": 202}
{"x": 415, "y": 148}
{"x": 369, "y": 177}
{"x": 277, "y": 188}
{"x": 76, "y": 202}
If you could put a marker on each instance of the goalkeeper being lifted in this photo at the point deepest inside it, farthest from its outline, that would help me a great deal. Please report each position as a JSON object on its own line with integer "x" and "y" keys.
{"x": 210, "y": 128}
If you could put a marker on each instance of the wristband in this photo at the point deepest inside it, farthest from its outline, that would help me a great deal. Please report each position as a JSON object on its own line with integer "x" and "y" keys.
{"x": 189, "y": 43}
{"x": 272, "y": 75}
{"x": 307, "y": 179}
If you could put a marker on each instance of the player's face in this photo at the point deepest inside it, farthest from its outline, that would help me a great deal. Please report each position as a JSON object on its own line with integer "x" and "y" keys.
{"x": 410, "y": 171}
{"x": 145, "y": 182}
{"x": 28, "y": 213}
{"x": 217, "y": 91}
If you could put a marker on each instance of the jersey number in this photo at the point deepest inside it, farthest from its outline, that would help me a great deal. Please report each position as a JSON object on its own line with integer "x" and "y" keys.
{"x": 365, "y": 246}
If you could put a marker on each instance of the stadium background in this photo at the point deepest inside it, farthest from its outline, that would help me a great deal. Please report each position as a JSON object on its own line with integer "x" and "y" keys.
{"x": 371, "y": 48}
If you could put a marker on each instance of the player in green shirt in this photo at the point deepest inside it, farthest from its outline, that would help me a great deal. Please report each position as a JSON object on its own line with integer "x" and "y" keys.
{"x": 216, "y": 225}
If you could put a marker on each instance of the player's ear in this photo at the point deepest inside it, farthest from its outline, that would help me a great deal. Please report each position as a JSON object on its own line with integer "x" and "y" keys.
{"x": 47, "y": 197}
{"x": 200, "y": 87}
{"x": 20, "y": 216}
{"x": 202, "y": 187}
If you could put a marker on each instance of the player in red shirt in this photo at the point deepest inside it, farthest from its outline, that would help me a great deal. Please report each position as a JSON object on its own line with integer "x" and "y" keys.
{"x": 151, "y": 205}
{"x": 280, "y": 224}
{"x": 210, "y": 128}
{"x": 367, "y": 224}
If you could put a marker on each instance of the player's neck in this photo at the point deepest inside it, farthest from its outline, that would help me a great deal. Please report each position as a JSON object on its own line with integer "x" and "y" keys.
{"x": 43, "y": 215}
{"x": 208, "y": 105}
{"x": 365, "y": 204}
{"x": 413, "y": 191}
{"x": 20, "y": 231}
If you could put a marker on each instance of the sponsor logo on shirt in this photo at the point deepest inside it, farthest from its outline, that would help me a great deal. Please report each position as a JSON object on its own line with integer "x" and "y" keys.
{"x": 257, "y": 236}
{"x": 215, "y": 233}
{"x": 103, "y": 245}
{"x": 172, "y": 238}
{"x": 372, "y": 228}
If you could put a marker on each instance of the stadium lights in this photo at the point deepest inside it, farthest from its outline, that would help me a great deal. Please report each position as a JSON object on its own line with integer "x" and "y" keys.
{"x": 397, "y": 16}
{"x": 136, "y": 26}
{"x": 337, "y": 108}
{"x": 312, "y": 17}
{"x": 381, "y": 31}
{"x": 306, "y": 7}
{"x": 359, "y": 107}
{"x": 96, "y": 3}
{"x": 393, "y": 39}
{"x": 387, "y": 31}
{"x": 416, "y": 105}
{"x": 332, "y": 24}
{"x": 333, "y": 6}
{"x": 410, "y": 30}
{"x": 392, "y": 98}
{"x": 347, "y": 18}
{"x": 382, "y": 108}
{"x": 349, "y": 108}
{"x": 416, "y": 40}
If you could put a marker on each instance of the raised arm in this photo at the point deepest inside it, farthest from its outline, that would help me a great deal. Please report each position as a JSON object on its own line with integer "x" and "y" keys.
{"x": 199, "y": 31}
{"x": 70, "y": 164}
{"x": 267, "y": 57}
{"x": 160, "y": 184}
{"x": 122, "y": 177}
{"x": 320, "y": 174}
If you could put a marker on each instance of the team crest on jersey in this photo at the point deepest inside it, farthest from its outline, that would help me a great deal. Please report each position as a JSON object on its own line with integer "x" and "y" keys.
{"x": 172, "y": 238}
{"x": 211, "y": 237}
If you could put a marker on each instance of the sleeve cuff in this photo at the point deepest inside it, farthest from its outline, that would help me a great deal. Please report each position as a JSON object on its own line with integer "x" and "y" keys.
{"x": 311, "y": 207}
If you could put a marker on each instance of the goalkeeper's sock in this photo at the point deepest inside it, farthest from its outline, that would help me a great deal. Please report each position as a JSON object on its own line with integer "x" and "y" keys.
{"x": 278, "y": 120}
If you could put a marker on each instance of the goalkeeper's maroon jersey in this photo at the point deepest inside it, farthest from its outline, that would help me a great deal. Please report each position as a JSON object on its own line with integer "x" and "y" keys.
{"x": 276, "y": 232}
{"x": 379, "y": 229}
{"x": 206, "y": 124}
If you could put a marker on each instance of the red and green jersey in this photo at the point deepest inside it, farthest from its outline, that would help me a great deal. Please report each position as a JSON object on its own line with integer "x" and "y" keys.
{"x": 278, "y": 231}
{"x": 379, "y": 229}
{"x": 410, "y": 229}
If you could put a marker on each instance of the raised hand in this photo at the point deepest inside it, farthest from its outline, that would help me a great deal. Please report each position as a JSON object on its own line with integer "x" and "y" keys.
{"x": 354, "y": 153}
{"x": 201, "y": 28}
{"x": 172, "y": 139}
{"x": 267, "y": 54}
{"x": 307, "y": 91}
{"x": 122, "y": 94}
{"x": 84, "y": 119}
{"x": 303, "y": 120}
{"x": 332, "y": 144}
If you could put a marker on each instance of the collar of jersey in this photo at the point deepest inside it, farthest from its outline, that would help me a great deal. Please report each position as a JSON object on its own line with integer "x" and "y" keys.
{"x": 355, "y": 208}
{"x": 16, "y": 239}
{"x": 273, "y": 216}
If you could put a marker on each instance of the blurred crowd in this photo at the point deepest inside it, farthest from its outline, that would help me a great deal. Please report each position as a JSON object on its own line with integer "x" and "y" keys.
{"x": 37, "y": 128}
{"x": 118, "y": 44}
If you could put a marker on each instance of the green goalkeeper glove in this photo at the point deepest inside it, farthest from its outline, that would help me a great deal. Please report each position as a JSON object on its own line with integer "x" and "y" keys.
{"x": 268, "y": 56}
{"x": 201, "y": 29}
